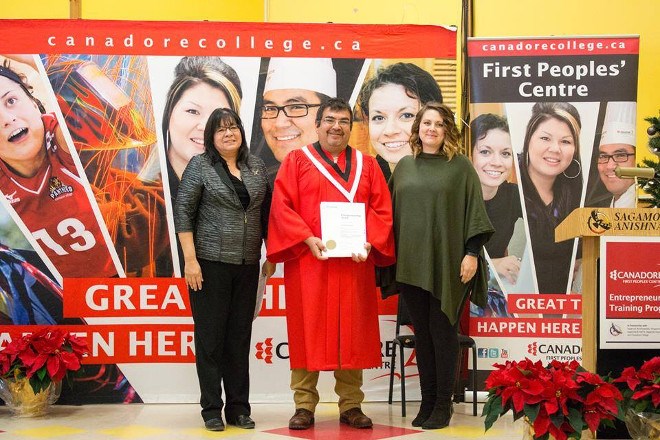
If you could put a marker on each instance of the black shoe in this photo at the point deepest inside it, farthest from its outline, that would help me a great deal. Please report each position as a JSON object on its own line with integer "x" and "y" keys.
{"x": 242, "y": 421}
{"x": 425, "y": 410}
{"x": 214, "y": 424}
{"x": 440, "y": 416}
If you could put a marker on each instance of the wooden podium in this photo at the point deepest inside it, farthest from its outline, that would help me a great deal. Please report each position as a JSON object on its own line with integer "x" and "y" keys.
{"x": 590, "y": 224}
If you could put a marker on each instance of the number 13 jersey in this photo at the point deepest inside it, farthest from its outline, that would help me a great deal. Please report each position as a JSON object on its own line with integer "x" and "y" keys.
{"x": 55, "y": 208}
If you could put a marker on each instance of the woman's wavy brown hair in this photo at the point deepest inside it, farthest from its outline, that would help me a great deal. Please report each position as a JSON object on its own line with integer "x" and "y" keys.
{"x": 451, "y": 145}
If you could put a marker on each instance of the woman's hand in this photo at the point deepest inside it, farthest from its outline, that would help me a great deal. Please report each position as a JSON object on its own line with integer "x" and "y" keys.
{"x": 508, "y": 267}
{"x": 468, "y": 268}
{"x": 317, "y": 247}
{"x": 268, "y": 269}
{"x": 193, "y": 274}
{"x": 359, "y": 258}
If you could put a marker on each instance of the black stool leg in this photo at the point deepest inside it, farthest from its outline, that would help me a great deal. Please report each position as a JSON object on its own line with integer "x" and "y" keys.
{"x": 392, "y": 368}
{"x": 403, "y": 381}
{"x": 474, "y": 380}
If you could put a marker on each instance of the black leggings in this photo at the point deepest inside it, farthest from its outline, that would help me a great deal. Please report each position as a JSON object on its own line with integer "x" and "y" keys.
{"x": 436, "y": 344}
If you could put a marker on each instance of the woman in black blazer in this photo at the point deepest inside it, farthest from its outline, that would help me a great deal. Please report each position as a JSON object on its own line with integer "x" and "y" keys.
{"x": 220, "y": 216}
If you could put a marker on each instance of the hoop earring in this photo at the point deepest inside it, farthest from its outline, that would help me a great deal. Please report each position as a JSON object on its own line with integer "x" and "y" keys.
{"x": 578, "y": 171}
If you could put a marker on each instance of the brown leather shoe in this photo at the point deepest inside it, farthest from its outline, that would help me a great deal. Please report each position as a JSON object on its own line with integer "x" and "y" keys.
{"x": 302, "y": 419}
{"x": 355, "y": 418}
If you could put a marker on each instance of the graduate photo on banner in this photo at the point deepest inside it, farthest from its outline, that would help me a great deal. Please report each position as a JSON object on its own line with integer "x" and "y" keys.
{"x": 551, "y": 118}
{"x": 131, "y": 100}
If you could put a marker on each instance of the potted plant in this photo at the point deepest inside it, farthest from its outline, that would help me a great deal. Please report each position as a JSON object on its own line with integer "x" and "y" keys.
{"x": 641, "y": 392}
{"x": 32, "y": 368}
{"x": 560, "y": 400}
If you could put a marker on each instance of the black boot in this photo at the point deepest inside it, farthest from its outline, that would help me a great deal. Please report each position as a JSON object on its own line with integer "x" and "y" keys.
{"x": 440, "y": 416}
{"x": 425, "y": 410}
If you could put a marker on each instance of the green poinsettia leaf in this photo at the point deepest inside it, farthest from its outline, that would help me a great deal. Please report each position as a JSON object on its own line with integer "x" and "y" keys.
{"x": 557, "y": 419}
{"x": 639, "y": 406}
{"x": 495, "y": 409}
{"x": 531, "y": 411}
{"x": 575, "y": 419}
{"x": 487, "y": 406}
{"x": 36, "y": 384}
{"x": 607, "y": 423}
{"x": 42, "y": 373}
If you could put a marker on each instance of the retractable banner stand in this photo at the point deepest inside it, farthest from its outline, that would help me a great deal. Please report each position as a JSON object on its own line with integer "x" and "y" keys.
{"x": 551, "y": 119}
{"x": 90, "y": 169}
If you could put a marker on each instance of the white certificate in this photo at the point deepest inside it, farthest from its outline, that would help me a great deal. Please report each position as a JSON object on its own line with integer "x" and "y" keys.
{"x": 343, "y": 228}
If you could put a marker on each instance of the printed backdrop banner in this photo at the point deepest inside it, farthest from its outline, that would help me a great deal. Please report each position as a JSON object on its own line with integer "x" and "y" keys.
{"x": 99, "y": 129}
{"x": 629, "y": 304}
{"x": 551, "y": 119}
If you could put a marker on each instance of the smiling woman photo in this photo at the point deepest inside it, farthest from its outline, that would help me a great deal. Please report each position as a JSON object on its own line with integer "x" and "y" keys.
{"x": 38, "y": 175}
{"x": 492, "y": 158}
{"x": 551, "y": 178}
{"x": 390, "y": 100}
{"x": 201, "y": 84}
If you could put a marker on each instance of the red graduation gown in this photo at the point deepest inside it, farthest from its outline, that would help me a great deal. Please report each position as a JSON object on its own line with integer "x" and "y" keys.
{"x": 331, "y": 305}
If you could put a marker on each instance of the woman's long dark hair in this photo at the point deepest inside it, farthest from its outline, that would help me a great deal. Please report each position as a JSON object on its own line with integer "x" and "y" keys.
{"x": 192, "y": 71}
{"x": 417, "y": 82}
{"x": 216, "y": 120}
{"x": 566, "y": 190}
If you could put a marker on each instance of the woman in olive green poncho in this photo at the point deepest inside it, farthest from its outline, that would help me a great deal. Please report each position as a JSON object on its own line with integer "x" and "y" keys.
{"x": 440, "y": 226}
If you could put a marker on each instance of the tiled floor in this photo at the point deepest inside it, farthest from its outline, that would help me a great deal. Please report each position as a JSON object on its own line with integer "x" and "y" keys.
{"x": 183, "y": 422}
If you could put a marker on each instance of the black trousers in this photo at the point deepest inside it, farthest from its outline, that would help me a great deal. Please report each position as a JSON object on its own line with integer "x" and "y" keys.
{"x": 436, "y": 344}
{"x": 223, "y": 311}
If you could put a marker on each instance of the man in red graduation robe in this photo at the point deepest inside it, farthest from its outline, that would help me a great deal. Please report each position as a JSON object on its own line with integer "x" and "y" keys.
{"x": 332, "y": 311}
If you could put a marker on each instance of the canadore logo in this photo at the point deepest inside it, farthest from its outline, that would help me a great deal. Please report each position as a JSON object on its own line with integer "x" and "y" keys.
{"x": 599, "y": 222}
{"x": 532, "y": 348}
{"x": 614, "y": 274}
{"x": 265, "y": 350}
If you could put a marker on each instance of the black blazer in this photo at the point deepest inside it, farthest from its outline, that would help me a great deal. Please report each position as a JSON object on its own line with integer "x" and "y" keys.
{"x": 208, "y": 206}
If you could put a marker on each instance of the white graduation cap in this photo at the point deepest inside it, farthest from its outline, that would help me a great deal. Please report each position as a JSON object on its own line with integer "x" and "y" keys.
{"x": 619, "y": 125}
{"x": 315, "y": 74}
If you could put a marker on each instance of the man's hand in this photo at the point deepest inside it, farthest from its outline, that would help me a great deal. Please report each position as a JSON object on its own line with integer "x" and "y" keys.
{"x": 193, "y": 274}
{"x": 317, "y": 247}
{"x": 268, "y": 269}
{"x": 468, "y": 268}
{"x": 359, "y": 258}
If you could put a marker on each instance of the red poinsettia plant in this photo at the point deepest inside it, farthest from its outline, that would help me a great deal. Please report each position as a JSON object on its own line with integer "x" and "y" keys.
{"x": 642, "y": 387}
{"x": 44, "y": 356}
{"x": 561, "y": 399}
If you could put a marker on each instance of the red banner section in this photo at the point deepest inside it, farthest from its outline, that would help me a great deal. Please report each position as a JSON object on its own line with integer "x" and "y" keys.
{"x": 632, "y": 280}
{"x": 134, "y": 343}
{"x": 553, "y": 46}
{"x": 524, "y": 327}
{"x": 120, "y": 297}
{"x": 569, "y": 304}
{"x": 228, "y": 39}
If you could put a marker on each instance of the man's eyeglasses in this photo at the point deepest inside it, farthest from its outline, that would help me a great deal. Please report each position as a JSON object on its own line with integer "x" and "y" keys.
{"x": 232, "y": 128}
{"x": 290, "y": 110}
{"x": 616, "y": 157}
{"x": 333, "y": 121}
